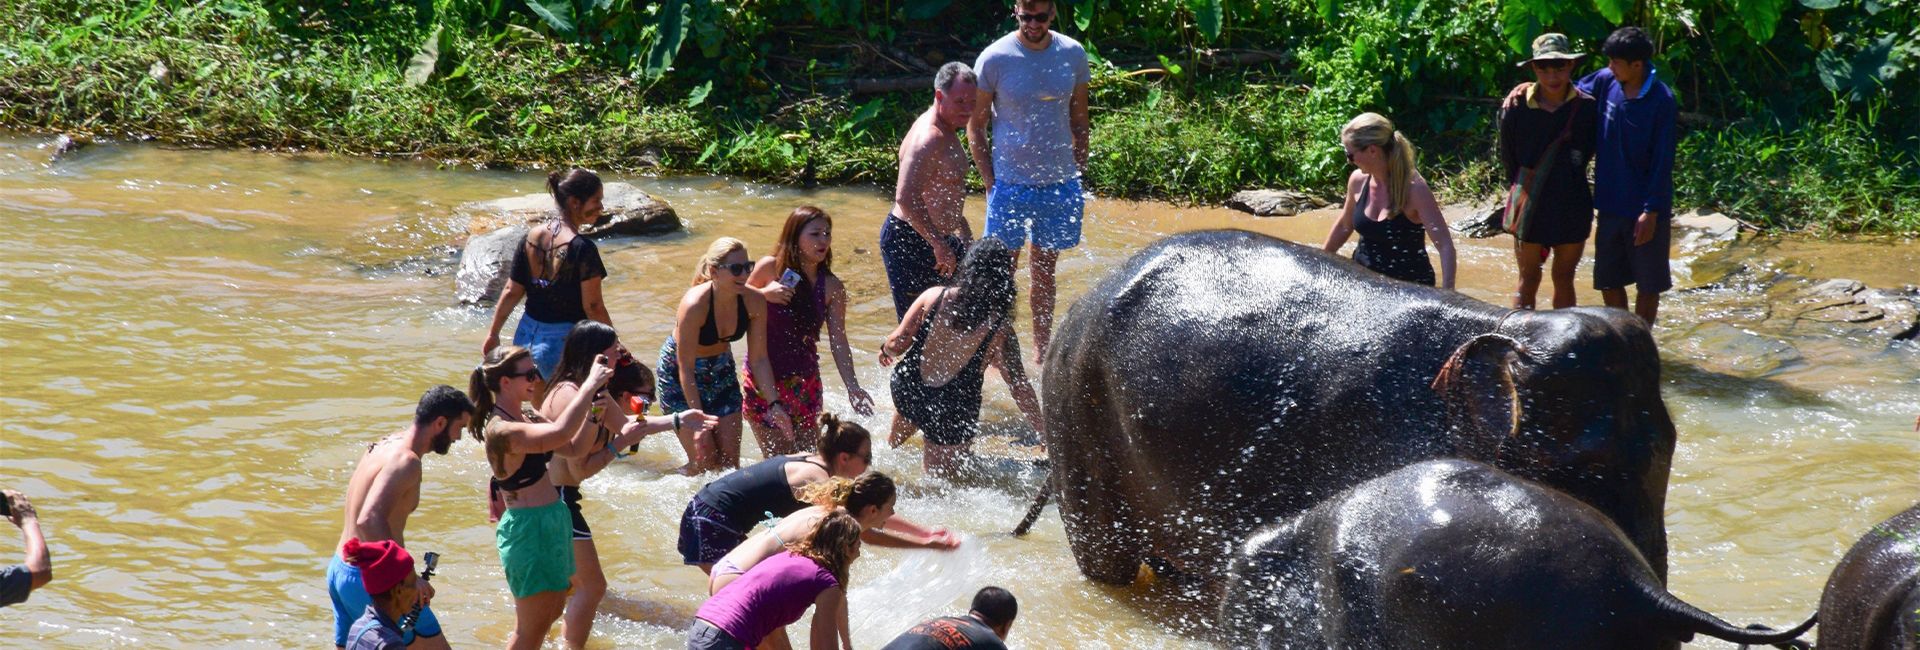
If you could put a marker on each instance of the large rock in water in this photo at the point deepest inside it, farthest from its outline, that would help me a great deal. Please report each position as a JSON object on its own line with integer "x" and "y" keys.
{"x": 497, "y": 226}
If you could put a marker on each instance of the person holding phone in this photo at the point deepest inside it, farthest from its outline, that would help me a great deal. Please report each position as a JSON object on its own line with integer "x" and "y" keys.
{"x": 393, "y": 592}
{"x": 802, "y": 294}
{"x": 19, "y": 581}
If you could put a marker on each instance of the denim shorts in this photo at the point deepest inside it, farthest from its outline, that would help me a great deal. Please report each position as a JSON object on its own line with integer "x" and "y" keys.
{"x": 1051, "y": 213}
{"x": 706, "y": 534}
{"x": 544, "y": 340}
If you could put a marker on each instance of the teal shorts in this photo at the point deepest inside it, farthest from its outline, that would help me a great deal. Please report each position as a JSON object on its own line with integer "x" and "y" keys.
{"x": 536, "y": 548}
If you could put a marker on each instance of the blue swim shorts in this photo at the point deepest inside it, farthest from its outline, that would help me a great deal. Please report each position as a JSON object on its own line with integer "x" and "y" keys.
{"x": 1051, "y": 213}
{"x": 350, "y": 600}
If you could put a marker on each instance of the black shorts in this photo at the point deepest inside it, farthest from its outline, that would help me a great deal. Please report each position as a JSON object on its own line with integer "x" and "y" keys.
{"x": 1618, "y": 263}
{"x": 706, "y": 534}
{"x": 571, "y": 495}
{"x": 908, "y": 260}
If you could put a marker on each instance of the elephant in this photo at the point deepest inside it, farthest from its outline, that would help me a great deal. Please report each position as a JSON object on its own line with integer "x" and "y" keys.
{"x": 1456, "y": 554}
{"x": 1221, "y": 380}
{"x": 1872, "y": 599}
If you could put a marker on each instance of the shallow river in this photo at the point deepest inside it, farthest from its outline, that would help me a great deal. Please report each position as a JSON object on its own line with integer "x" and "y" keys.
{"x": 197, "y": 345}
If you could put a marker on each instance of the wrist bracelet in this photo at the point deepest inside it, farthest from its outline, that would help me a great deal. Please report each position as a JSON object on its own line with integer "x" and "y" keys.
{"x": 676, "y": 422}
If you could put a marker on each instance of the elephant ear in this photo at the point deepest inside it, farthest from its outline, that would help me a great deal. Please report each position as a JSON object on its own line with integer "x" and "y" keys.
{"x": 1482, "y": 401}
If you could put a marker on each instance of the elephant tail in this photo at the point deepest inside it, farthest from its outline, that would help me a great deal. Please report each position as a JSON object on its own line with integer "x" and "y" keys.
{"x": 1033, "y": 511}
{"x": 1679, "y": 615}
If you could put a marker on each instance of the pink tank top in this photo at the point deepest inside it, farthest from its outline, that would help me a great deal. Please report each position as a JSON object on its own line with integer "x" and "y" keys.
{"x": 772, "y": 595}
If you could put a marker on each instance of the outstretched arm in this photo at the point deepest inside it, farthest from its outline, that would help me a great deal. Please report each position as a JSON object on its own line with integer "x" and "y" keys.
{"x": 842, "y": 352}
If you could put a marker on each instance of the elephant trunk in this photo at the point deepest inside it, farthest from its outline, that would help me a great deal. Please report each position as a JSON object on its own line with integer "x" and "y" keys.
{"x": 1680, "y": 616}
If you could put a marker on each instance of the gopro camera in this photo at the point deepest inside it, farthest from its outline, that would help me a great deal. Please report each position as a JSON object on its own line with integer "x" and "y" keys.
{"x": 432, "y": 561}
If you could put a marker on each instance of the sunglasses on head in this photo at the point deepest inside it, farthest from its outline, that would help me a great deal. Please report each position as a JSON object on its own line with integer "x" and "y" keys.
{"x": 736, "y": 268}
{"x": 1033, "y": 18}
{"x": 1552, "y": 64}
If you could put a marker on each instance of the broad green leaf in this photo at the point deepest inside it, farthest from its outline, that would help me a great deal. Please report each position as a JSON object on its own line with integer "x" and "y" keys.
{"x": 672, "y": 28}
{"x": 1209, "y": 14}
{"x": 1153, "y": 97}
{"x": 1615, "y": 11}
{"x": 924, "y": 9}
{"x": 1864, "y": 75}
{"x": 1760, "y": 17}
{"x": 1083, "y": 12}
{"x": 557, "y": 13}
{"x": 699, "y": 94}
{"x": 420, "y": 68}
{"x": 1820, "y": 5}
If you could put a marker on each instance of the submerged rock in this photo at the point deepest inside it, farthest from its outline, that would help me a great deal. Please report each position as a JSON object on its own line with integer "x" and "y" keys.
{"x": 1274, "y": 203}
{"x": 497, "y": 226}
{"x": 1726, "y": 349}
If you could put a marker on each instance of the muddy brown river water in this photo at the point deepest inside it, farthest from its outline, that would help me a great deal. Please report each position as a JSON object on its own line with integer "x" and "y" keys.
{"x": 195, "y": 346}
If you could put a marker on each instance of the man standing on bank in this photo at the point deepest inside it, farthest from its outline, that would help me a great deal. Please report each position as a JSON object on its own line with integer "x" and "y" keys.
{"x": 1632, "y": 174}
{"x": 925, "y": 233}
{"x": 1033, "y": 93}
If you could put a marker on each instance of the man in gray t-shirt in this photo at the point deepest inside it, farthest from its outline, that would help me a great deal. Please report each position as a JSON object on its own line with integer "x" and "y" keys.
{"x": 1033, "y": 94}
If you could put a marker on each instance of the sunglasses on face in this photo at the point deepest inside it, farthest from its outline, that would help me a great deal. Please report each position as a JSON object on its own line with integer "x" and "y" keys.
{"x": 1034, "y": 18}
{"x": 736, "y": 268}
{"x": 1552, "y": 65}
{"x": 530, "y": 374}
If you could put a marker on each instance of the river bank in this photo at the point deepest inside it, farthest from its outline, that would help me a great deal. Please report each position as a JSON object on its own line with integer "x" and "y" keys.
{"x": 240, "y": 75}
{"x": 200, "y": 342}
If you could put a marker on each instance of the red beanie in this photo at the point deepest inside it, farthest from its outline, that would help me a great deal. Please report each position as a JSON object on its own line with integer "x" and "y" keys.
{"x": 382, "y": 564}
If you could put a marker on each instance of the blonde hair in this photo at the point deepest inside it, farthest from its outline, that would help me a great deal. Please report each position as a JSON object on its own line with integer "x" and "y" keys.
{"x": 831, "y": 543}
{"x": 716, "y": 251}
{"x": 1375, "y": 130}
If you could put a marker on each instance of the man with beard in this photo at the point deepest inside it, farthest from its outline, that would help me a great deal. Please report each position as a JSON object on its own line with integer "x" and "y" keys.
{"x": 384, "y": 490}
{"x": 1032, "y": 101}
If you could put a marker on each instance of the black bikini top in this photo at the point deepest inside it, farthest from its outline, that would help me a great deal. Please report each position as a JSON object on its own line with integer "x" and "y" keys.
{"x": 533, "y": 467}
{"x": 710, "y": 330}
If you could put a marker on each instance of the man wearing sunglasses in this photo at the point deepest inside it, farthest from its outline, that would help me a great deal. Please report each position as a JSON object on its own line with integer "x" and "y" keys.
{"x": 1032, "y": 100}
{"x": 1546, "y": 141}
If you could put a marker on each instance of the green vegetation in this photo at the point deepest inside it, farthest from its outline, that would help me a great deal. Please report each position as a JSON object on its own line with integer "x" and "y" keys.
{"x": 1789, "y": 103}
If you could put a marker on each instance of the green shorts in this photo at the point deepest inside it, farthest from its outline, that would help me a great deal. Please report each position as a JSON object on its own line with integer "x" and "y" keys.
{"x": 536, "y": 548}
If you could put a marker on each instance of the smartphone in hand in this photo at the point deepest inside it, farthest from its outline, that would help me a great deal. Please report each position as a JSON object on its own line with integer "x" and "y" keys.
{"x": 790, "y": 278}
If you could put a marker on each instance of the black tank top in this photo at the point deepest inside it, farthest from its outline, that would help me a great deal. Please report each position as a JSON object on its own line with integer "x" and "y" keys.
{"x": 1395, "y": 246}
{"x": 753, "y": 494}
{"x": 710, "y": 330}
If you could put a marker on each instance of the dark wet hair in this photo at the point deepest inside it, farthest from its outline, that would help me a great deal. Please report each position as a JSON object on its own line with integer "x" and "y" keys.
{"x": 587, "y": 339}
{"x": 1629, "y": 43}
{"x": 441, "y": 401}
{"x": 631, "y": 379}
{"x": 996, "y": 606}
{"x": 839, "y": 436}
{"x": 577, "y": 184}
{"x": 983, "y": 286}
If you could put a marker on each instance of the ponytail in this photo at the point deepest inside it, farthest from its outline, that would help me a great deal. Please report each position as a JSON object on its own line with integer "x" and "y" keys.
{"x": 839, "y": 436}
{"x": 577, "y": 184}
{"x": 483, "y": 384}
{"x": 1375, "y": 130}
{"x": 1400, "y": 159}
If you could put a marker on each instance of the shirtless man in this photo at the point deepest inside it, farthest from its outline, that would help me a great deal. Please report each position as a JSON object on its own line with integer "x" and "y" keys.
{"x": 931, "y": 190}
{"x": 385, "y": 488}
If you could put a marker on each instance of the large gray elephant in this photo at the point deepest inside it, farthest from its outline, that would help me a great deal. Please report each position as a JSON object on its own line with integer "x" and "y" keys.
{"x": 1222, "y": 380}
{"x": 1872, "y": 599}
{"x": 1456, "y": 554}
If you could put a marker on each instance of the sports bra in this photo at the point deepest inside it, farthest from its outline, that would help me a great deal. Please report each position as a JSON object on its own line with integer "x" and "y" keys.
{"x": 533, "y": 467}
{"x": 710, "y": 330}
